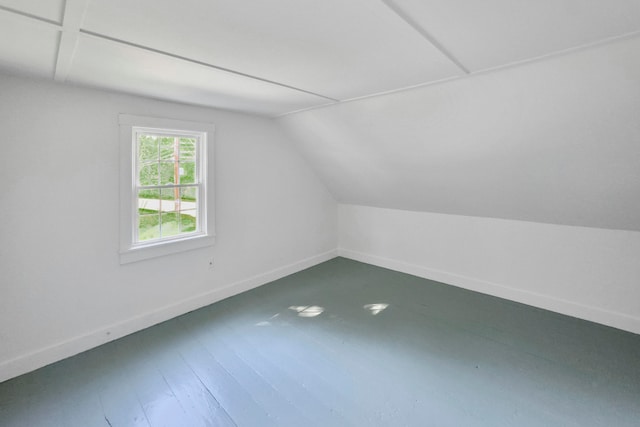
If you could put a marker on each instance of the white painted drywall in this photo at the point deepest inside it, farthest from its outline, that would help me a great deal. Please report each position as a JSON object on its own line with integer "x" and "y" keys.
{"x": 62, "y": 288}
{"x": 554, "y": 141}
{"x": 588, "y": 273}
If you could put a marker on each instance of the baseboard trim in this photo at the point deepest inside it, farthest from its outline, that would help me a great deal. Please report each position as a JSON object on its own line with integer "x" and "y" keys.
{"x": 45, "y": 356}
{"x": 593, "y": 314}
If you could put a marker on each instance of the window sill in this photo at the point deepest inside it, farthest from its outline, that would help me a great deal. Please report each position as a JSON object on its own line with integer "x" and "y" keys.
{"x": 165, "y": 248}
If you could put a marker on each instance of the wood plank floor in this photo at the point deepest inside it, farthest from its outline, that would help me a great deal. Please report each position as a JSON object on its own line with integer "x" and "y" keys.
{"x": 340, "y": 344}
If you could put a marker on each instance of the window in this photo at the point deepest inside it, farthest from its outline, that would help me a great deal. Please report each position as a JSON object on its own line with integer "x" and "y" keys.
{"x": 166, "y": 187}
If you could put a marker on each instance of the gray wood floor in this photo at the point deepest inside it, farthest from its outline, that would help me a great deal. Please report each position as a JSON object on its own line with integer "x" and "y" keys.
{"x": 340, "y": 344}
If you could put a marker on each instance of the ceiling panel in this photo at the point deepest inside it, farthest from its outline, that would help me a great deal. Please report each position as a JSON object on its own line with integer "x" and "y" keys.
{"x": 28, "y": 48}
{"x": 115, "y": 66}
{"x": 49, "y": 9}
{"x": 489, "y": 33}
{"x": 335, "y": 48}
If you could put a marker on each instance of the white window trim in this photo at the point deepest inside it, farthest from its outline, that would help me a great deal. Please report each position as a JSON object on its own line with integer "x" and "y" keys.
{"x": 131, "y": 252}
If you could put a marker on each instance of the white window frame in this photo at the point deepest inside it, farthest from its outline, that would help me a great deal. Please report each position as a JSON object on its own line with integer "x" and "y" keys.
{"x": 130, "y": 126}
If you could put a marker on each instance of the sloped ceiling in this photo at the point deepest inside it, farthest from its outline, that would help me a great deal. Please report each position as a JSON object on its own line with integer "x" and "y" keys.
{"x": 555, "y": 141}
{"x": 280, "y": 56}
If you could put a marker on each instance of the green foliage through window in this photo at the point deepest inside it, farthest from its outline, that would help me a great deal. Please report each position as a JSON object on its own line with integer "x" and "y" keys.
{"x": 166, "y": 166}
{"x": 166, "y": 160}
{"x": 153, "y": 224}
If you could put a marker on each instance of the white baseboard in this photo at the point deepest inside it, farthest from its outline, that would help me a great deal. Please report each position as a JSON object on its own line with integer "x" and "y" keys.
{"x": 594, "y": 314}
{"x": 42, "y": 357}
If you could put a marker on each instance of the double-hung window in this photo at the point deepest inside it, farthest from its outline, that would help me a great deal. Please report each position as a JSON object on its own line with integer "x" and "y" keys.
{"x": 166, "y": 186}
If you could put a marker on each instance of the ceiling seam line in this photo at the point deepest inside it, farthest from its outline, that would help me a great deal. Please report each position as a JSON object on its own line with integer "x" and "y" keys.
{"x": 72, "y": 19}
{"x": 197, "y": 62}
{"x": 552, "y": 55}
{"x": 563, "y": 52}
{"x": 302, "y": 110}
{"x": 66, "y": 52}
{"x": 405, "y": 88}
{"x": 374, "y": 95}
{"x": 425, "y": 34}
{"x": 32, "y": 18}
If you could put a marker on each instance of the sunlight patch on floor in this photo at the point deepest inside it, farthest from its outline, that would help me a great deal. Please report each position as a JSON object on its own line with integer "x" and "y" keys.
{"x": 307, "y": 310}
{"x": 375, "y": 308}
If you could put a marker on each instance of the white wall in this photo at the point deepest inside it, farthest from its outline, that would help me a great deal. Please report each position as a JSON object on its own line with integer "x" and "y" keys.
{"x": 62, "y": 288}
{"x": 555, "y": 141}
{"x": 588, "y": 273}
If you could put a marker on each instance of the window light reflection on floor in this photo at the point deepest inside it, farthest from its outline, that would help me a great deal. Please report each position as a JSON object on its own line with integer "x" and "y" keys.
{"x": 307, "y": 310}
{"x": 266, "y": 322}
{"x": 375, "y": 308}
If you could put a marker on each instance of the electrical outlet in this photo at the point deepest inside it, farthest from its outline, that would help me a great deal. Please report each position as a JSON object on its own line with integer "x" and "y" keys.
{"x": 211, "y": 264}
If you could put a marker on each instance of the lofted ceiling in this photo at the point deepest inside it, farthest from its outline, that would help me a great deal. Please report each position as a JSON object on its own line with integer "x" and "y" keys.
{"x": 281, "y": 56}
{"x": 556, "y": 141}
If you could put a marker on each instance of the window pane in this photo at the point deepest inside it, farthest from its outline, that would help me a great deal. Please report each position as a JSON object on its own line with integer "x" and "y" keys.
{"x": 148, "y": 224}
{"x": 149, "y": 199}
{"x": 149, "y": 204}
{"x": 170, "y": 203}
{"x": 147, "y": 147}
{"x": 188, "y": 221}
{"x": 187, "y": 149}
{"x": 168, "y": 149}
{"x": 148, "y": 174}
{"x": 170, "y": 224}
{"x": 169, "y": 171}
{"x": 188, "y": 194}
{"x": 187, "y": 173}
{"x": 170, "y": 220}
{"x": 188, "y": 209}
